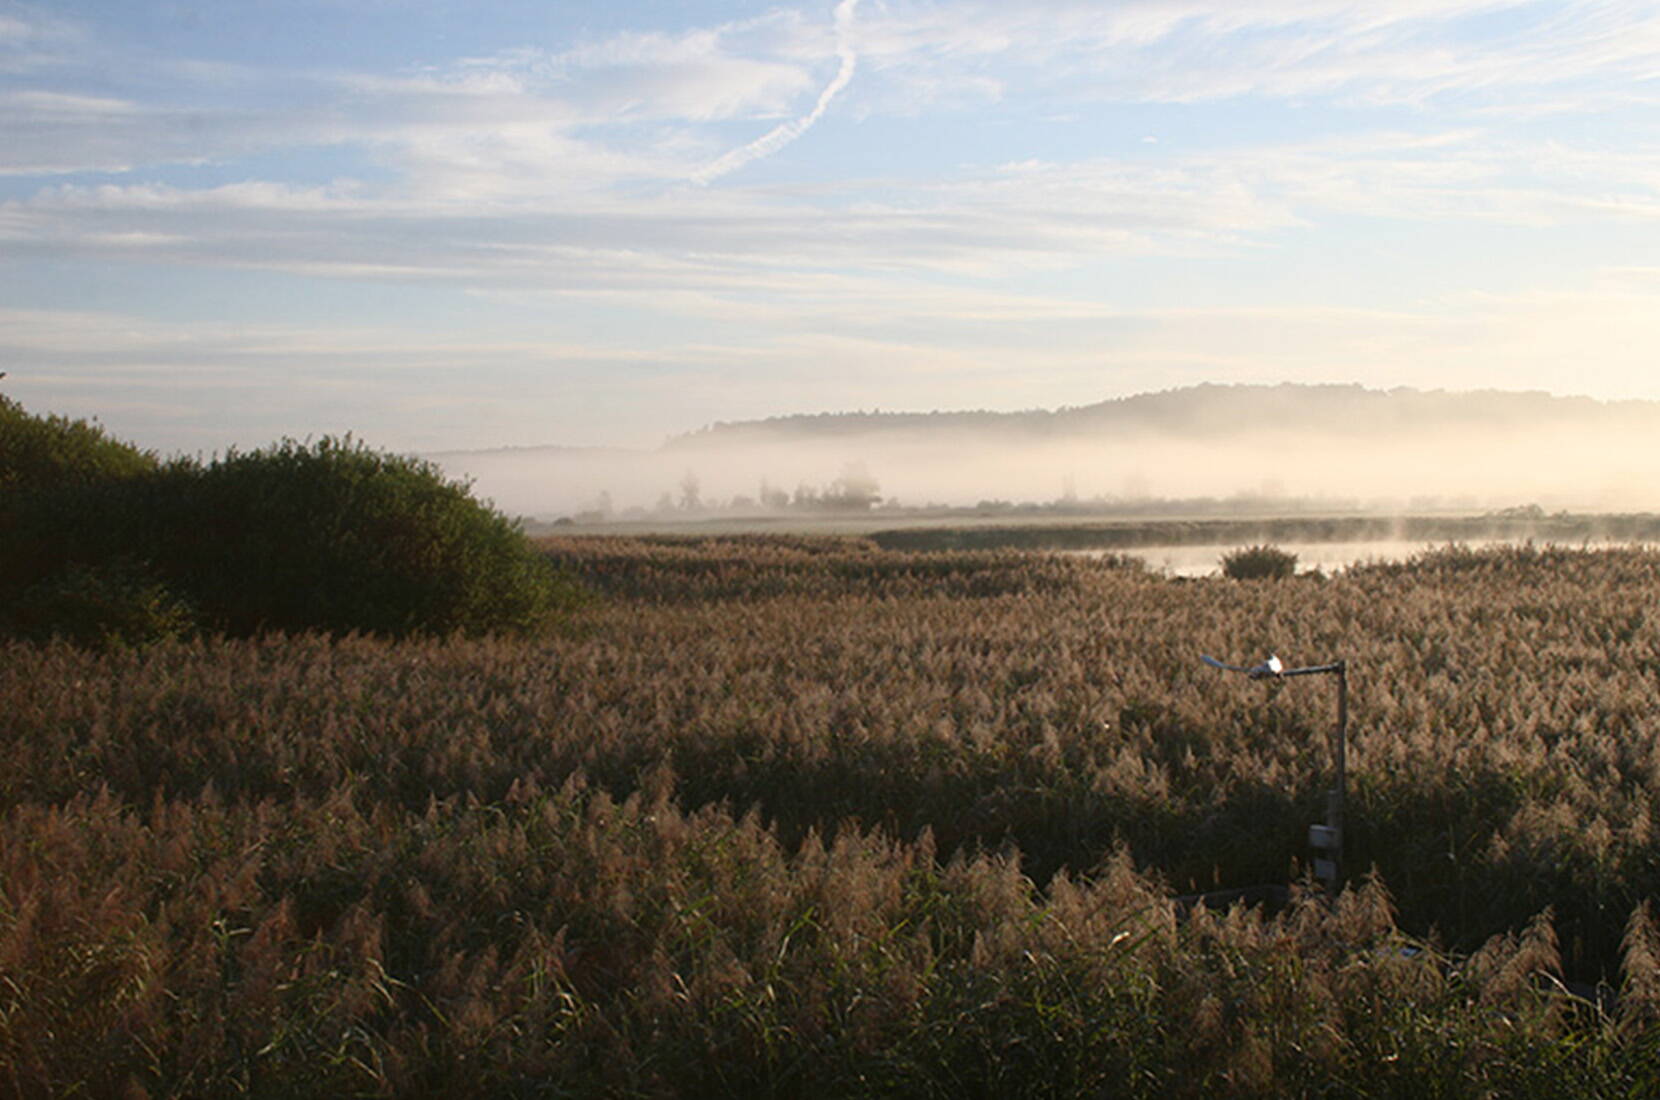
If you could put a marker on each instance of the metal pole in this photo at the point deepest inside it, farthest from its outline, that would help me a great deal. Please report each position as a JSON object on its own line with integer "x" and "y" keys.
{"x": 1327, "y": 838}
{"x": 1335, "y": 813}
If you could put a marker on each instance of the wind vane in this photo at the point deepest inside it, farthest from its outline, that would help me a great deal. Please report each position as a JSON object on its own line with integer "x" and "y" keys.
{"x": 1272, "y": 669}
{"x": 1273, "y": 666}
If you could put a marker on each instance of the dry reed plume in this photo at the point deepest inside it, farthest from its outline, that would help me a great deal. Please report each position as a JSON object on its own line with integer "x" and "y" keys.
{"x": 794, "y": 817}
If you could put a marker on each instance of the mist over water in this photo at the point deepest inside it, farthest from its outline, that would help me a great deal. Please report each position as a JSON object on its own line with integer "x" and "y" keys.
{"x": 1568, "y": 467}
{"x": 1205, "y": 559}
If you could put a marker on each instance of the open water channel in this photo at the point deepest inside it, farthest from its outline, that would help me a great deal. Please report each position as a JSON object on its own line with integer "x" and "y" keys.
{"x": 1206, "y": 559}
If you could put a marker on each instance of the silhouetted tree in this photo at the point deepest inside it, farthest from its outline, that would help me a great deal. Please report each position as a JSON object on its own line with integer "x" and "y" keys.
{"x": 774, "y": 500}
{"x": 855, "y": 489}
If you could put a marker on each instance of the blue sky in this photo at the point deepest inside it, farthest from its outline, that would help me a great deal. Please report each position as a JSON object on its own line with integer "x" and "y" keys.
{"x": 444, "y": 225}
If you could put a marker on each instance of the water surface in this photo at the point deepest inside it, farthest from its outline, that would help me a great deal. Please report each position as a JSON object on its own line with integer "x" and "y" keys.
{"x": 1206, "y": 559}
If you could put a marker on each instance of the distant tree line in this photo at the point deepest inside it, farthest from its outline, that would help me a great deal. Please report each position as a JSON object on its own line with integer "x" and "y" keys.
{"x": 853, "y": 490}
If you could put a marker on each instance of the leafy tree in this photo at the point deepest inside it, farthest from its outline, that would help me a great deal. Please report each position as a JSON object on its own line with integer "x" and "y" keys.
{"x": 855, "y": 489}
{"x": 690, "y": 493}
{"x": 774, "y": 500}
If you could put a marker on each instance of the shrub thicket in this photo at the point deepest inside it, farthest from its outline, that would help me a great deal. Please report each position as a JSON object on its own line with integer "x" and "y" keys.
{"x": 1259, "y": 563}
{"x": 46, "y": 452}
{"x": 330, "y": 536}
{"x": 48, "y": 466}
{"x": 108, "y": 605}
{"x": 335, "y": 536}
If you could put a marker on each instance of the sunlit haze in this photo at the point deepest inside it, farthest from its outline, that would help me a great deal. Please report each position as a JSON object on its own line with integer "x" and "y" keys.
{"x": 447, "y": 226}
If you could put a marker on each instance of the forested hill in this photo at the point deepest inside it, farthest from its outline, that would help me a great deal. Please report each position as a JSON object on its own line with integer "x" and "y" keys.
{"x": 1216, "y": 411}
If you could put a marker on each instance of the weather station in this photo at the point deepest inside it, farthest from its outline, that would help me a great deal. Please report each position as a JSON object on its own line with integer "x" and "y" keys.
{"x": 1326, "y": 839}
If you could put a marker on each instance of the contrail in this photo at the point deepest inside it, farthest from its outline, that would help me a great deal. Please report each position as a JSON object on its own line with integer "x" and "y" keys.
{"x": 780, "y": 136}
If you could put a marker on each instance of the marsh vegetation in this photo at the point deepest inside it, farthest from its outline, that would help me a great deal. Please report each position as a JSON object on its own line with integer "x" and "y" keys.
{"x": 808, "y": 817}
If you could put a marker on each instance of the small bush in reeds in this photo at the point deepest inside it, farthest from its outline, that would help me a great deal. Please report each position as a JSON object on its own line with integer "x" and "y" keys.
{"x": 1264, "y": 562}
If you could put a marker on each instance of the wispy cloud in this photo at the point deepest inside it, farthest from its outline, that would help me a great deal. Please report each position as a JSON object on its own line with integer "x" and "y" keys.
{"x": 565, "y": 175}
{"x": 32, "y": 38}
{"x": 1021, "y": 218}
{"x": 780, "y": 136}
{"x": 1493, "y": 52}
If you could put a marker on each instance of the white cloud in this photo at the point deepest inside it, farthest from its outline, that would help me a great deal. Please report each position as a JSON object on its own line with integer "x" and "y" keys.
{"x": 643, "y": 106}
{"x": 32, "y": 38}
{"x": 780, "y": 136}
{"x": 697, "y": 76}
{"x": 1185, "y": 51}
{"x": 470, "y": 224}
{"x": 558, "y": 174}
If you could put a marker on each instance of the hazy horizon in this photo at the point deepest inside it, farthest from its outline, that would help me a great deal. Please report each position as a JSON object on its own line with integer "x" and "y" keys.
{"x": 1469, "y": 450}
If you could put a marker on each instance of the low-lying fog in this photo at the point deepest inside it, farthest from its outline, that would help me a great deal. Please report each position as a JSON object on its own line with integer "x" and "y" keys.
{"x": 1569, "y": 468}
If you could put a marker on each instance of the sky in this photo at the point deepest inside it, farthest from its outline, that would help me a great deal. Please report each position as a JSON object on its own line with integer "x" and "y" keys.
{"x": 443, "y": 225}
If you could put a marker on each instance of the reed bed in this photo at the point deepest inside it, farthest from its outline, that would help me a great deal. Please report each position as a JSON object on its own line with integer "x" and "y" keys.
{"x": 806, "y": 817}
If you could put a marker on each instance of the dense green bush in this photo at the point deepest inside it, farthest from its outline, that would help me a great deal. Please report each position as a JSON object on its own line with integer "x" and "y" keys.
{"x": 107, "y": 605}
{"x": 330, "y": 536}
{"x": 43, "y": 452}
{"x": 47, "y": 464}
{"x": 339, "y": 537}
{"x": 1259, "y": 562}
